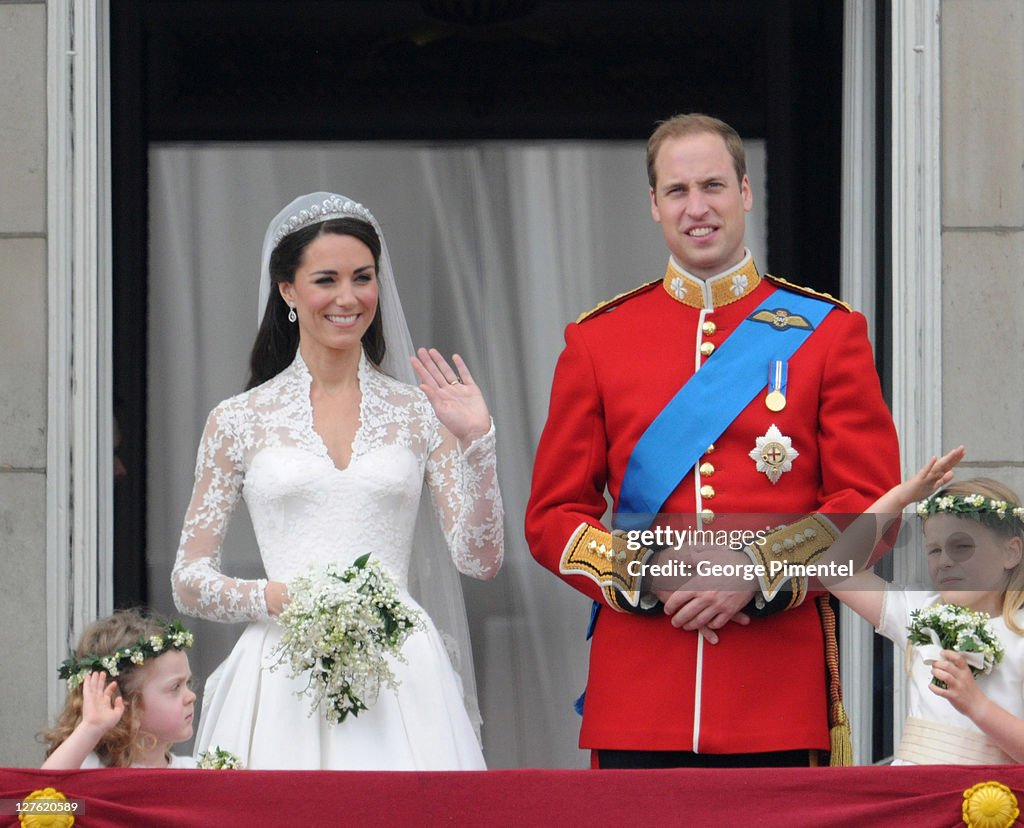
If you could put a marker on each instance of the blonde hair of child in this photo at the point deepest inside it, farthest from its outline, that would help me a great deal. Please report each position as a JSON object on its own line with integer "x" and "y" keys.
{"x": 104, "y": 637}
{"x": 1007, "y": 527}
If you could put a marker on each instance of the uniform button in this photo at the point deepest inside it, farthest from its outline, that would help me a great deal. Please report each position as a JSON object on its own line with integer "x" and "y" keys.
{"x": 709, "y": 328}
{"x": 711, "y": 449}
{"x": 707, "y": 348}
{"x": 707, "y": 516}
{"x": 707, "y": 492}
{"x": 706, "y": 470}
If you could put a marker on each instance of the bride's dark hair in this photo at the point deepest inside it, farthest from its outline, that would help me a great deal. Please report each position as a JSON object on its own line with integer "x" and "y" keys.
{"x": 278, "y": 339}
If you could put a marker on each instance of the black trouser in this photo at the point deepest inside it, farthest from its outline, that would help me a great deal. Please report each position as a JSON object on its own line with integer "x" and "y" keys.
{"x": 686, "y": 759}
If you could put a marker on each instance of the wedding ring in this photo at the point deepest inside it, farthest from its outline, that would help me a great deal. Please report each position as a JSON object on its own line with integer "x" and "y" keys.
{"x": 456, "y": 381}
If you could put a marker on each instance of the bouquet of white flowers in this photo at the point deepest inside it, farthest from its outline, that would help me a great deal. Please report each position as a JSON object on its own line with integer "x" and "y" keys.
{"x": 216, "y": 758}
{"x": 952, "y": 627}
{"x": 340, "y": 627}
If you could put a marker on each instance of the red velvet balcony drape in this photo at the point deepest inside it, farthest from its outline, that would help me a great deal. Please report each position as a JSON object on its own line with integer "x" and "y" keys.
{"x": 870, "y": 796}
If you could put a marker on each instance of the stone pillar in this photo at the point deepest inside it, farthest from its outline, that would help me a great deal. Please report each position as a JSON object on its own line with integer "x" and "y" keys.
{"x": 983, "y": 235}
{"x": 23, "y": 381}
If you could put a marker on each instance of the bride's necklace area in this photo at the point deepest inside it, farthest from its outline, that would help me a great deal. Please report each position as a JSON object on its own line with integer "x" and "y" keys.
{"x": 336, "y": 419}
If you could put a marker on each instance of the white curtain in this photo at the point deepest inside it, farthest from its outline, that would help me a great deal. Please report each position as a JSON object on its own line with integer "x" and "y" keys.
{"x": 496, "y": 246}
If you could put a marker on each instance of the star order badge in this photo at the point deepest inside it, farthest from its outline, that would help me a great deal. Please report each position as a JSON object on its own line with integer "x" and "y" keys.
{"x": 774, "y": 453}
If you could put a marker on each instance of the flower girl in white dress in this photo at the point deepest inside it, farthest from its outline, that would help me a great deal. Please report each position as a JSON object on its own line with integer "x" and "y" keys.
{"x": 129, "y": 696}
{"x": 330, "y": 450}
{"x": 974, "y": 542}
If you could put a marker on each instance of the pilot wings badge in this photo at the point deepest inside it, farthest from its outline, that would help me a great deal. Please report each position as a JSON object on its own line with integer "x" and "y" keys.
{"x": 781, "y": 319}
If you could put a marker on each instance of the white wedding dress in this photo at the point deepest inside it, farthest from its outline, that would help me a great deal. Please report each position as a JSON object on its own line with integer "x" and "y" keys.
{"x": 305, "y": 512}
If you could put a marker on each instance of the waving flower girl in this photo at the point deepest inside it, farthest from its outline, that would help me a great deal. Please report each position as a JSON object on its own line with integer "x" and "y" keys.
{"x": 129, "y": 696}
{"x": 964, "y": 707}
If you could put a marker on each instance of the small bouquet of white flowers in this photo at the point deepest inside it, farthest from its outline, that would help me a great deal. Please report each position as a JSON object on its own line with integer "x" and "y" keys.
{"x": 952, "y": 627}
{"x": 340, "y": 627}
{"x": 216, "y": 758}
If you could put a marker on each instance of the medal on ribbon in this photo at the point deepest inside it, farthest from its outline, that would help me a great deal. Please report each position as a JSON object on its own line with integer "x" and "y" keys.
{"x": 778, "y": 372}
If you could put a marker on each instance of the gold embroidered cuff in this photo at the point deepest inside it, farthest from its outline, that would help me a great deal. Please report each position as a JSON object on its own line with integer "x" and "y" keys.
{"x": 786, "y": 553}
{"x": 605, "y": 558}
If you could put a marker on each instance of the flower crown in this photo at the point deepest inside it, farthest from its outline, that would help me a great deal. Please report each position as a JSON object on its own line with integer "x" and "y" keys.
{"x": 333, "y": 207}
{"x": 970, "y": 505}
{"x": 174, "y": 636}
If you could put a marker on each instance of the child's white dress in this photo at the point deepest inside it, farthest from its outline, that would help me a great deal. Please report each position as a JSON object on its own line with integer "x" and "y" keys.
{"x": 935, "y": 733}
{"x": 305, "y": 511}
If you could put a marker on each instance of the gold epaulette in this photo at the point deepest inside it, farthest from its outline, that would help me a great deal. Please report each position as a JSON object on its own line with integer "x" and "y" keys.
{"x": 806, "y": 291}
{"x": 617, "y": 300}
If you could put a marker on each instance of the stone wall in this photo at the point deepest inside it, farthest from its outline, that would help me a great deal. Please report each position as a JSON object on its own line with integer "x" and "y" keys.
{"x": 23, "y": 384}
{"x": 982, "y": 43}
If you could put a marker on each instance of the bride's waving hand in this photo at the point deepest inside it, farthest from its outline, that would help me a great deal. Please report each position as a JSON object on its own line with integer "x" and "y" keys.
{"x": 456, "y": 398}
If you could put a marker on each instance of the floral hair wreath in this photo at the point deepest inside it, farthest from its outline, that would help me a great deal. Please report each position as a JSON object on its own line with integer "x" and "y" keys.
{"x": 174, "y": 636}
{"x": 970, "y": 505}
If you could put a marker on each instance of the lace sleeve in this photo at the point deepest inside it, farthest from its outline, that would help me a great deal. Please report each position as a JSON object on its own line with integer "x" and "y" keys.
{"x": 199, "y": 586}
{"x": 464, "y": 487}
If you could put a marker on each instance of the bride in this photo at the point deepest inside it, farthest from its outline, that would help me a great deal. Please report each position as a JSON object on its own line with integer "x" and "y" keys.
{"x": 330, "y": 449}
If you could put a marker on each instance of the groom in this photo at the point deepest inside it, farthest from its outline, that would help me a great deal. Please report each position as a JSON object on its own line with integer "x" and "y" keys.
{"x": 715, "y": 391}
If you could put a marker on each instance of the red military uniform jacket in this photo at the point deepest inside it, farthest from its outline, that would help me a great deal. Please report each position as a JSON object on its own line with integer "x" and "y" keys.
{"x": 651, "y": 686}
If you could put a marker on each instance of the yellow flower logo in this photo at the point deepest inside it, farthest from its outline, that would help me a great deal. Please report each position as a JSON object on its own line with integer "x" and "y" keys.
{"x": 47, "y": 808}
{"x": 990, "y": 805}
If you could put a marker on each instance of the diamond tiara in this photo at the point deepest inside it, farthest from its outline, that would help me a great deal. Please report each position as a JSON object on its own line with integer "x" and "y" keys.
{"x": 329, "y": 208}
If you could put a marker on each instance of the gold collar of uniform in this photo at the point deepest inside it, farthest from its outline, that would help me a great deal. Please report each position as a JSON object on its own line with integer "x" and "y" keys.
{"x": 720, "y": 290}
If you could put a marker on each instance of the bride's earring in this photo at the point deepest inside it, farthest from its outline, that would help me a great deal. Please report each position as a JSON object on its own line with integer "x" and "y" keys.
{"x": 291, "y": 313}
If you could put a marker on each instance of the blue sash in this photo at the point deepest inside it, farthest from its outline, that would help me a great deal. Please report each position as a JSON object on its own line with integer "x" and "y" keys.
{"x": 710, "y": 400}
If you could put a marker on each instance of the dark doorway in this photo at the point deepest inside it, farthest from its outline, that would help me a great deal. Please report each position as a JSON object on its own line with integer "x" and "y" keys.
{"x": 456, "y": 70}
